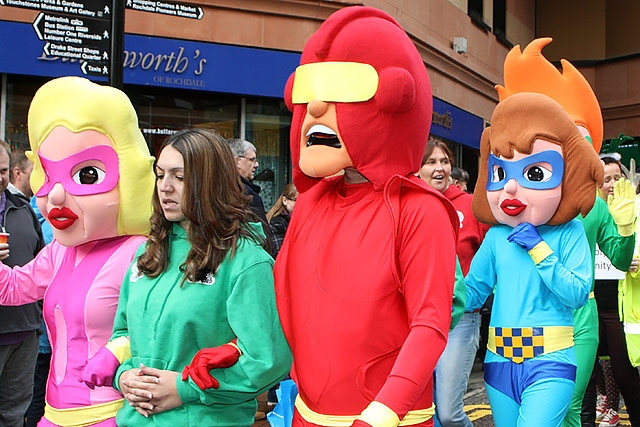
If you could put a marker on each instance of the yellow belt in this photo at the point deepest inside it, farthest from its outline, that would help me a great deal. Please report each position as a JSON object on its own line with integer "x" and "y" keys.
{"x": 592, "y": 295}
{"x": 520, "y": 344}
{"x": 412, "y": 417}
{"x": 82, "y": 416}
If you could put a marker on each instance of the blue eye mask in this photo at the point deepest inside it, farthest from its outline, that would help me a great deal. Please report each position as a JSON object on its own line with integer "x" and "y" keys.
{"x": 528, "y": 172}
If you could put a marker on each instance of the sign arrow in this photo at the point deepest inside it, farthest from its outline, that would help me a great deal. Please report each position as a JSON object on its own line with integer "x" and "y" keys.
{"x": 200, "y": 13}
{"x": 83, "y": 67}
{"x": 35, "y": 25}
{"x": 46, "y": 48}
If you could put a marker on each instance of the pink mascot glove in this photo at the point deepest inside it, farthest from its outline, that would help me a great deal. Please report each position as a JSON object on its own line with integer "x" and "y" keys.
{"x": 101, "y": 368}
{"x": 207, "y": 359}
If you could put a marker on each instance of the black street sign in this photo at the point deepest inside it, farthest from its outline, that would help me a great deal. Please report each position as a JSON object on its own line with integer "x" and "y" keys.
{"x": 73, "y": 29}
{"x": 182, "y": 10}
{"x": 75, "y": 32}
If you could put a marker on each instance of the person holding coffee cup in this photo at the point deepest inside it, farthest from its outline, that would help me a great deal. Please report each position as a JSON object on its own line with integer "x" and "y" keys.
{"x": 20, "y": 240}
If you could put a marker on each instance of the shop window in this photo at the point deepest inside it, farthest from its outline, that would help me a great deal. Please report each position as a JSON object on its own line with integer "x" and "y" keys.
{"x": 162, "y": 112}
{"x": 267, "y": 125}
{"x": 20, "y": 92}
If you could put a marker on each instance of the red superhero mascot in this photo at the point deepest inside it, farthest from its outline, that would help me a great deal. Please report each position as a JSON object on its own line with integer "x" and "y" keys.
{"x": 364, "y": 280}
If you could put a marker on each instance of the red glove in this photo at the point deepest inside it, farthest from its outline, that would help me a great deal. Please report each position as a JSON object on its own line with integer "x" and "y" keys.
{"x": 207, "y": 359}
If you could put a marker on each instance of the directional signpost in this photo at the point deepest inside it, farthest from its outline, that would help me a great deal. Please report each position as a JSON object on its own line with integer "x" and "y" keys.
{"x": 92, "y": 31}
{"x": 84, "y": 39}
{"x": 73, "y": 29}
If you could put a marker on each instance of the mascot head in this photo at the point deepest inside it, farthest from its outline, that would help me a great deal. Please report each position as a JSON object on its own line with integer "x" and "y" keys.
{"x": 535, "y": 165}
{"x": 92, "y": 175}
{"x": 360, "y": 98}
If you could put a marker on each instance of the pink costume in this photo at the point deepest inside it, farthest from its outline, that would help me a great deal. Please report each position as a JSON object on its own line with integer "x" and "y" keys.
{"x": 93, "y": 181}
{"x": 81, "y": 286}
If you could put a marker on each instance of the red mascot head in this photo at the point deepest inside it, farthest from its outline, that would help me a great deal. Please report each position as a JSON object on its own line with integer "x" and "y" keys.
{"x": 360, "y": 98}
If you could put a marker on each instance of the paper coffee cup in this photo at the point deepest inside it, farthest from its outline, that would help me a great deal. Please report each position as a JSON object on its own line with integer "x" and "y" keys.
{"x": 4, "y": 237}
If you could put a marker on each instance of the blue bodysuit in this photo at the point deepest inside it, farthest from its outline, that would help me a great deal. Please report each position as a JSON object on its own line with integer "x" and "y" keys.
{"x": 530, "y": 368}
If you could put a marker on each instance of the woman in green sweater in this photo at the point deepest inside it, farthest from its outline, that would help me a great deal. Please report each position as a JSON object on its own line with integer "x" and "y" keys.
{"x": 199, "y": 296}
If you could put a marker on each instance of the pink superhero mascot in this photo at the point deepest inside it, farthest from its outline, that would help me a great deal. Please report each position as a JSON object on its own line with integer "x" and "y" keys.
{"x": 93, "y": 182}
{"x": 364, "y": 281}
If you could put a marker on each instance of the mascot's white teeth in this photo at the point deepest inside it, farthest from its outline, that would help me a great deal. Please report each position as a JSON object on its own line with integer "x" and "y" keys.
{"x": 321, "y": 129}
{"x": 323, "y": 135}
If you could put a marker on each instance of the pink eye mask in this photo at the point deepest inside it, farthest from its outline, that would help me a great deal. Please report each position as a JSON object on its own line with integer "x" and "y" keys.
{"x": 61, "y": 171}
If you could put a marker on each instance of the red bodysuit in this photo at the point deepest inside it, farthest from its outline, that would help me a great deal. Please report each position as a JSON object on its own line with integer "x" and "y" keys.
{"x": 358, "y": 332}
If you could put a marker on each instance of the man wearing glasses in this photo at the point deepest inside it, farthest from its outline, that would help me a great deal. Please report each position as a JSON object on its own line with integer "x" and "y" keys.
{"x": 247, "y": 163}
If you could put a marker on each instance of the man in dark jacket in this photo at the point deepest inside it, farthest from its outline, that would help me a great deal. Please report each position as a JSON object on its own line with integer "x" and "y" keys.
{"x": 20, "y": 169}
{"x": 19, "y": 325}
{"x": 247, "y": 162}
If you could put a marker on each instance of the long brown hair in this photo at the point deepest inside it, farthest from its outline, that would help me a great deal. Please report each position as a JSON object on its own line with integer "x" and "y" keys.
{"x": 290, "y": 192}
{"x": 213, "y": 201}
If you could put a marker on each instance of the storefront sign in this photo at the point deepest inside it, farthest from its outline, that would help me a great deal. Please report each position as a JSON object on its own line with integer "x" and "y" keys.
{"x": 181, "y": 10}
{"x": 157, "y": 61}
{"x": 455, "y": 124}
{"x": 214, "y": 67}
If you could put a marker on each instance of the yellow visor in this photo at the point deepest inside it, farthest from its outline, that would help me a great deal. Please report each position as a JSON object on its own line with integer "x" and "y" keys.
{"x": 334, "y": 82}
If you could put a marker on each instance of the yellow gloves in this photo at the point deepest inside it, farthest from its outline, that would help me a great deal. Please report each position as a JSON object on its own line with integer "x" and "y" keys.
{"x": 377, "y": 415}
{"x": 622, "y": 207}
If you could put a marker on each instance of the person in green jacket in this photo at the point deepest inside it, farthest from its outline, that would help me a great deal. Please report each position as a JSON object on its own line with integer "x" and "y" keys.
{"x": 198, "y": 296}
{"x": 611, "y": 228}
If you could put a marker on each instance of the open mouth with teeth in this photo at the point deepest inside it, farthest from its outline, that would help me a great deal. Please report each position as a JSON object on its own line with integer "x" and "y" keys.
{"x": 322, "y": 135}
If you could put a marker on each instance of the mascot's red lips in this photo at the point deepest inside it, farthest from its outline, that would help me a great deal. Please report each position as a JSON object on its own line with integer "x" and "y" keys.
{"x": 62, "y": 218}
{"x": 512, "y": 207}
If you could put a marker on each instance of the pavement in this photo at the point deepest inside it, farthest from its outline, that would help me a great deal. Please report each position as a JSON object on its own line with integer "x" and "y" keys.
{"x": 476, "y": 404}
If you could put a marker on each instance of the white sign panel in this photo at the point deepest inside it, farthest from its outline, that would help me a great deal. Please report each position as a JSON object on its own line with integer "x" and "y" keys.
{"x": 604, "y": 269}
